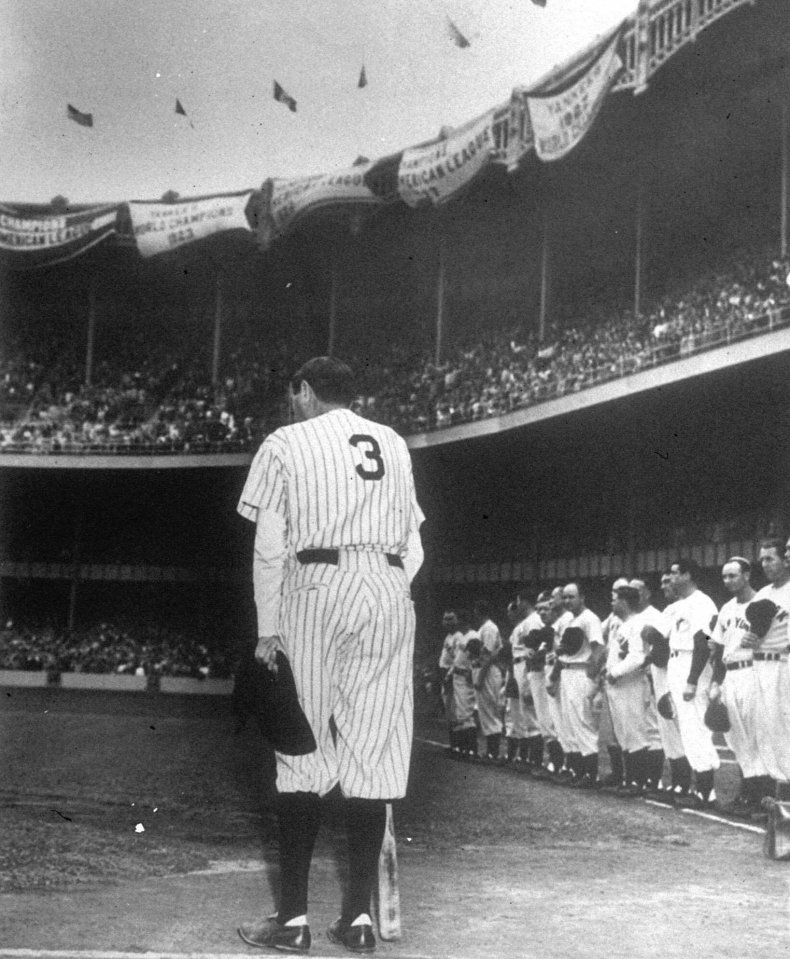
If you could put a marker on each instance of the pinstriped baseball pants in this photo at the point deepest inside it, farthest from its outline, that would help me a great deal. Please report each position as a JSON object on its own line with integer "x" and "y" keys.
{"x": 348, "y": 631}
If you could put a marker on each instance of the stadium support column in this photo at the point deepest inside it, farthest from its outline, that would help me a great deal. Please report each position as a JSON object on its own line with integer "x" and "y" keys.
{"x": 784, "y": 175}
{"x": 333, "y": 291}
{"x": 91, "y": 330}
{"x": 217, "y": 326}
{"x": 639, "y": 241}
{"x": 545, "y": 274}
{"x": 76, "y": 555}
{"x": 440, "y": 289}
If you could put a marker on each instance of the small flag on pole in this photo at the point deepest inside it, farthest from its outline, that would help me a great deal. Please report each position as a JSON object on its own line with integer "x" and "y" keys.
{"x": 363, "y": 79}
{"x": 282, "y": 97}
{"x": 84, "y": 119}
{"x": 182, "y": 112}
{"x": 456, "y": 36}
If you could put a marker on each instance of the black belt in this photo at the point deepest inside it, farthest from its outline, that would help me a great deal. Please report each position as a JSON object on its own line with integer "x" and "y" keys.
{"x": 332, "y": 556}
{"x": 739, "y": 664}
{"x": 769, "y": 657}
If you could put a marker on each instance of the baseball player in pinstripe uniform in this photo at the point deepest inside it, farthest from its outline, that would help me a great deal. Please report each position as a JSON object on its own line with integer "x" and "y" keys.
{"x": 692, "y": 617}
{"x": 771, "y": 673}
{"x": 523, "y": 732}
{"x": 337, "y": 544}
{"x": 733, "y": 683}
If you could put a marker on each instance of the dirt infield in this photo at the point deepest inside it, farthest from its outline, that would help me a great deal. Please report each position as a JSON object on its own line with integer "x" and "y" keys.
{"x": 143, "y": 824}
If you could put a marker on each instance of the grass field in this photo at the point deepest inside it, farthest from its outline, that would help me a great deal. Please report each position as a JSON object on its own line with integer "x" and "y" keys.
{"x": 112, "y": 798}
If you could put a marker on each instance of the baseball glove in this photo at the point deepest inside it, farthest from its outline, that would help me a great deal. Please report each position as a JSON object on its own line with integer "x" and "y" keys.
{"x": 666, "y": 707}
{"x": 272, "y": 699}
{"x": 536, "y": 638}
{"x": 474, "y": 647}
{"x": 760, "y": 614}
{"x": 716, "y": 717}
{"x": 572, "y": 641}
{"x": 659, "y": 646}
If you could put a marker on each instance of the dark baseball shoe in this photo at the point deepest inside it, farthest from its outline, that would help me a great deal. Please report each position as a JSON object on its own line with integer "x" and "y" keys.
{"x": 271, "y": 933}
{"x": 355, "y": 938}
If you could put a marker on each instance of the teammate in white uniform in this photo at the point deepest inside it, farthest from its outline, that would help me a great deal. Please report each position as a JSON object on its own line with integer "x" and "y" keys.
{"x": 693, "y": 616}
{"x": 629, "y": 692}
{"x": 490, "y": 680}
{"x": 337, "y": 544}
{"x": 607, "y": 738}
{"x": 453, "y": 637}
{"x": 771, "y": 676}
{"x": 663, "y": 733}
{"x": 541, "y": 648}
{"x": 578, "y": 686}
{"x": 522, "y": 730}
{"x": 464, "y": 703}
{"x": 733, "y": 683}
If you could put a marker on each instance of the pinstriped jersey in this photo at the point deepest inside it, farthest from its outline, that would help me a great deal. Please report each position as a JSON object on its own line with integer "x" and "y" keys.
{"x": 338, "y": 480}
{"x": 730, "y": 627}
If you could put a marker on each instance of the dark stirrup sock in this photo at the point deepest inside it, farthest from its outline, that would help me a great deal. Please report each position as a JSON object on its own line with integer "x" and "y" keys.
{"x": 299, "y": 818}
{"x": 365, "y": 822}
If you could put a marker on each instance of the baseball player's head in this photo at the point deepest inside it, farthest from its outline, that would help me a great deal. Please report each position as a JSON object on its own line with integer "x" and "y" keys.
{"x": 625, "y": 601}
{"x": 622, "y": 581}
{"x": 772, "y": 559}
{"x": 735, "y": 575}
{"x": 545, "y": 608}
{"x": 573, "y": 598}
{"x": 513, "y": 612}
{"x": 644, "y": 592}
{"x": 482, "y": 609}
{"x": 666, "y": 586}
{"x": 684, "y": 574}
{"x": 321, "y": 384}
{"x": 526, "y": 600}
{"x": 450, "y": 621}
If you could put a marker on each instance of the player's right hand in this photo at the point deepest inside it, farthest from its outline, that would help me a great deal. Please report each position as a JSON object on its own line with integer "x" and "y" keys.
{"x": 750, "y": 641}
{"x": 266, "y": 651}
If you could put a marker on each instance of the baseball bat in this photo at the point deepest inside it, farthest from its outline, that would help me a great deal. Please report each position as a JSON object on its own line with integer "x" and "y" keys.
{"x": 388, "y": 897}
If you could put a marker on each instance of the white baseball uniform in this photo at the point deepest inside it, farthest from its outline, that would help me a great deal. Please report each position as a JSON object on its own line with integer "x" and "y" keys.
{"x": 629, "y": 695}
{"x": 462, "y": 710}
{"x": 738, "y": 688}
{"x": 577, "y": 689}
{"x": 520, "y": 720}
{"x": 688, "y": 616}
{"x": 668, "y": 729}
{"x": 772, "y": 686}
{"x": 342, "y": 484}
{"x": 554, "y": 702}
{"x": 491, "y": 693}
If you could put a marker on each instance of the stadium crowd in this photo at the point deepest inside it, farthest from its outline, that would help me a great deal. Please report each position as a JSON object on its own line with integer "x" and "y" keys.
{"x": 124, "y": 649}
{"x": 649, "y": 688}
{"x": 165, "y": 401}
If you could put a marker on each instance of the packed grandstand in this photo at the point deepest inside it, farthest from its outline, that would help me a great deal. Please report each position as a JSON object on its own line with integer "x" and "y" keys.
{"x": 146, "y": 398}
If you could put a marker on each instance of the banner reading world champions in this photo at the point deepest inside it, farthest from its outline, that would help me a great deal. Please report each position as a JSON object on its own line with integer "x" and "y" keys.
{"x": 29, "y": 240}
{"x": 433, "y": 173}
{"x": 158, "y": 227}
{"x": 561, "y": 118}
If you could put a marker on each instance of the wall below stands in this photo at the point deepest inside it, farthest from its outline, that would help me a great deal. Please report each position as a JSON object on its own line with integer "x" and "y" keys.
{"x": 182, "y": 685}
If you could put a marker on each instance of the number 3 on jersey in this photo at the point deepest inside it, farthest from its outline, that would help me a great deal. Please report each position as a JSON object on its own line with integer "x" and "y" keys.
{"x": 372, "y": 451}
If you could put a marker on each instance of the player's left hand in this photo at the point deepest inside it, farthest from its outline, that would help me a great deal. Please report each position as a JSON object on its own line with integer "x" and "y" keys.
{"x": 750, "y": 641}
{"x": 266, "y": 651}
{"x": 689, "y": 692}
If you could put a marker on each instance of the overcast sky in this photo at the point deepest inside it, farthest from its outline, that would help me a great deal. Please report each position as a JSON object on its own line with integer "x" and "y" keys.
{"x": 126, "y": 61}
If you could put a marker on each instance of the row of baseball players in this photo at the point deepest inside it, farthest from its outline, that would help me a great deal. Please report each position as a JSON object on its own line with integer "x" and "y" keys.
{"x": 637, "y": 685}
